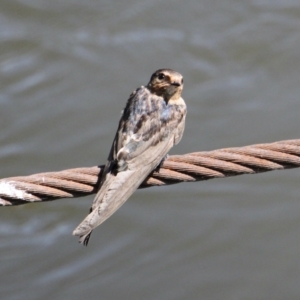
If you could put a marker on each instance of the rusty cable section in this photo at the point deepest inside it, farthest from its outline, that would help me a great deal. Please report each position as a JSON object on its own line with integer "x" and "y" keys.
{"x": 195, "y": 166}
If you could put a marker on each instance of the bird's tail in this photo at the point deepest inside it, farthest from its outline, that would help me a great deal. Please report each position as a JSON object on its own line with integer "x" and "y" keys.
{"x": 116, "y": 189}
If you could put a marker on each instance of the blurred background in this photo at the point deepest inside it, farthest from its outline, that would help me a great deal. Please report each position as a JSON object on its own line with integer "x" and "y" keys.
{"x": 66, "y": 71}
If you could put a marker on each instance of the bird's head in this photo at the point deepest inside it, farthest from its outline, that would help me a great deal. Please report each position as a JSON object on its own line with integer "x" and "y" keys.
{"x": 166, "y": 83}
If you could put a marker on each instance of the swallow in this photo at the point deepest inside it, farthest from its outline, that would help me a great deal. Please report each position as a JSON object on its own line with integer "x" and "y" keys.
{"x": 152, "y": 122}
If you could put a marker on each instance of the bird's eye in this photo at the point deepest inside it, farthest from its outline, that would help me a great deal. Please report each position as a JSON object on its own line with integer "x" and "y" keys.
{"x": 161, "y": 76}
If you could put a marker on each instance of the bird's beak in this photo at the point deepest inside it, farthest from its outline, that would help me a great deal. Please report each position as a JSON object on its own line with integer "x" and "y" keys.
{"x": 175, "y": 83}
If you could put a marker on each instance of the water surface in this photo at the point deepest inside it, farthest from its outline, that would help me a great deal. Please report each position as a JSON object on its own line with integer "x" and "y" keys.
{"x": 66, "y": 71}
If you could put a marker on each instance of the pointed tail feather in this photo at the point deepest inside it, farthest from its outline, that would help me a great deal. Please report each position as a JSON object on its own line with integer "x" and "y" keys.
{"x": 83, "y": 238}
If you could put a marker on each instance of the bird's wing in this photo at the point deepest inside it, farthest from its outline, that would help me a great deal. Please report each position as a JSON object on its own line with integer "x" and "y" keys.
{"x": 143, "y": 138}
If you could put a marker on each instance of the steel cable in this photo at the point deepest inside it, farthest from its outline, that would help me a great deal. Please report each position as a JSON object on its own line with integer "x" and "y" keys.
{"x": 190, "y": 167}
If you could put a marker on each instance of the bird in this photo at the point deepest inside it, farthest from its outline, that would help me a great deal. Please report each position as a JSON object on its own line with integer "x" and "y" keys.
{"x": 151, "y": 123}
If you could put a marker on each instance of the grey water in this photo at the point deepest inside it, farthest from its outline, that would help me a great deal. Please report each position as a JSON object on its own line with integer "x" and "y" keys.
{"x": 66, "y": 71}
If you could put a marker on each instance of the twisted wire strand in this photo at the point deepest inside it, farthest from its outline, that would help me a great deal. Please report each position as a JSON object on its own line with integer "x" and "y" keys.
{"x": 189, "y": 167}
